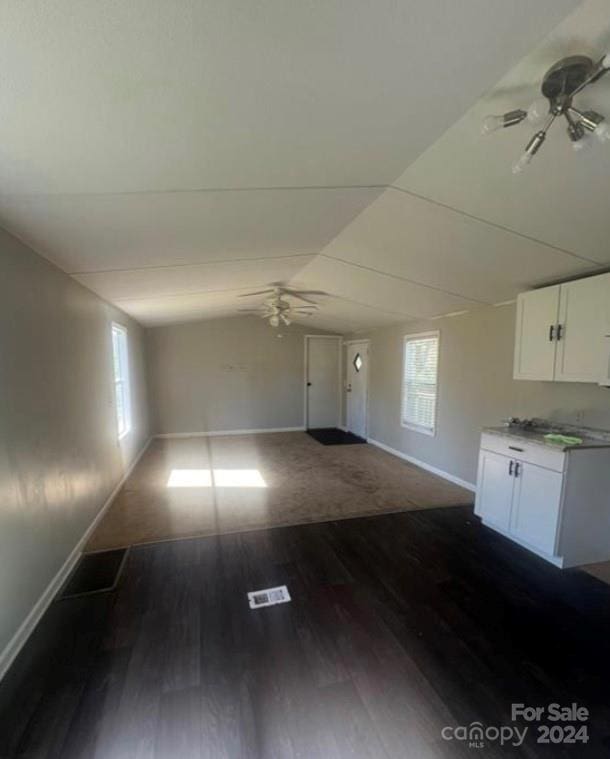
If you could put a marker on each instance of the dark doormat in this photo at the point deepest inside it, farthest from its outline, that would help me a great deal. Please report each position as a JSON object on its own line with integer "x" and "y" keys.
{"x": 95, "y": 573}
{"x": 334, "y": 436}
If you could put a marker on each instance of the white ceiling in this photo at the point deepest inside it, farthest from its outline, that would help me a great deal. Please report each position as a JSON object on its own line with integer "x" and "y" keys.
{"x": 171, "y": 156}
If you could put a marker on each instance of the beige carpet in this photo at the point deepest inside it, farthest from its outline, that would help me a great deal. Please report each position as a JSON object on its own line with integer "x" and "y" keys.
{"x": 246, "y": 482}
{"x": 601, "y": 571}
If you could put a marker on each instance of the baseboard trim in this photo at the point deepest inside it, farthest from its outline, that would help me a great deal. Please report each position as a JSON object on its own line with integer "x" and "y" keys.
{"x": 19, "y": 639}
{"x": 219, "y": 433}
{"x": 428, "y": 467}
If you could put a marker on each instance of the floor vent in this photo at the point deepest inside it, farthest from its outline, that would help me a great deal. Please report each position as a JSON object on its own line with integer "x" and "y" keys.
{"x": 268, "y": 597}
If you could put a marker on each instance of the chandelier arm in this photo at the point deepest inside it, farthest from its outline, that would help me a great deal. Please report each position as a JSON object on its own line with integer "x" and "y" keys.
{"x": 591, "y": 120}
{"x": 540, "y": 135}
{"x": 600, "y": 68}
{"x": 576, "y": 130}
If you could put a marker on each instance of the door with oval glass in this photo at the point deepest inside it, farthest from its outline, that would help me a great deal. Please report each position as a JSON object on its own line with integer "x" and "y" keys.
{"x": 357, "y": 369}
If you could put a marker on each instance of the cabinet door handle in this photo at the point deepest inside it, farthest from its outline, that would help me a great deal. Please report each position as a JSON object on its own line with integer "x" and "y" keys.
{"x": 559, "y": 332}
{"x": 551, "y": 333}
{"x": 510, "y": 468}
{"x": 517, "y": 469}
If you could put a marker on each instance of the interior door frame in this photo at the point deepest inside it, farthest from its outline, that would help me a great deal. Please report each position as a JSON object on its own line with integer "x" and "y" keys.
{"x": 366, "y": 394}
{"x": 306, "y": 372}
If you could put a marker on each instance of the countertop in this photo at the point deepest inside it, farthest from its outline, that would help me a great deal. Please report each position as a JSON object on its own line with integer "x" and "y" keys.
{"x": 600, "y": 439}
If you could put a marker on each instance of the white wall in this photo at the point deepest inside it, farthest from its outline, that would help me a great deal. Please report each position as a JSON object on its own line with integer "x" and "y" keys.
{"x": 226, "y": 374}
{"x": 59, "y": 455}
{"x": 476, "y": 389}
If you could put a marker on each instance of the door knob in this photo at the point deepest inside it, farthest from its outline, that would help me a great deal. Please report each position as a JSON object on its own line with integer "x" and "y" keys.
{"x": 309, "y": 384}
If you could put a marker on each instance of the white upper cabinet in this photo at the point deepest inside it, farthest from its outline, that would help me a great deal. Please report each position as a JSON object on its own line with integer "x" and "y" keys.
{"x": 535, "y": 344}
{"x": 606, "y": 278}
{"x": 580, "y": 330}
{"x": 605, "y": 357}
{"x": 560, "y": 332}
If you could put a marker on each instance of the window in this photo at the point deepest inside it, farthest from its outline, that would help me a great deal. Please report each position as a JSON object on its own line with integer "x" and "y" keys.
{"x": 419, "y": 382}
{"x": 121, "y": 379}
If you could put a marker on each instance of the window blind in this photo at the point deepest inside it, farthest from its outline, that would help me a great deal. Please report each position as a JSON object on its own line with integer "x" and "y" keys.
{"x": 419, "y": 382}
{"x": 121, "y": 379}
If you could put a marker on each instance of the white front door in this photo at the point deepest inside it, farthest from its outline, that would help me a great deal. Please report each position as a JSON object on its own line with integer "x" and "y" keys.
{"x": 357, "y": 368}
{"x": 323, "y": 386}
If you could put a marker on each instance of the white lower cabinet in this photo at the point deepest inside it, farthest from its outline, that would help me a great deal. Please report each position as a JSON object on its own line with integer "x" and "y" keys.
{"x": 494, "y": 490}
{"x": 553, "y": 502}
{"x": 535, "y": 506}
{"x": 519, "y": 499}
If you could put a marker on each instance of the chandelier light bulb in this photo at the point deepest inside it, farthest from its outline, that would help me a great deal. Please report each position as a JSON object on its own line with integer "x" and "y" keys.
{"x": 538, "y": 111}
{"x": 602, "y": 131}
{"x": 274, "y": 321}
{"x": 579, "y": 145}
{"x": 492, "y": 124}
{"x": 606, "y": 61}
{"x": 522, "y": 163}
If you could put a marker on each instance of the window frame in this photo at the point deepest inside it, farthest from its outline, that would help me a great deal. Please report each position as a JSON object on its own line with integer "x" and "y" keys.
{"x": 122, "y": 384}
{"x": 430, "y": 432}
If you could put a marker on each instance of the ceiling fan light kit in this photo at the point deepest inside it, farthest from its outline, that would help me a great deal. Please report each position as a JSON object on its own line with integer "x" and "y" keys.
{"x": 277, "y": 310}
{"x": 561, "y": 83}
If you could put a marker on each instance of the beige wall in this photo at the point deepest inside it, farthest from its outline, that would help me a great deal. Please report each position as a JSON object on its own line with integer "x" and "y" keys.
{"x": 59, "y": 455}
{"x": 226, "y": 374}
{"x": 476, "y": 389}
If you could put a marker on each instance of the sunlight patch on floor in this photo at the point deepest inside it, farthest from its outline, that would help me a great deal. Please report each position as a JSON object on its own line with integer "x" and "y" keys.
{"x": 238, "y": 478}
{"x": 220, "y": 478}
{"x": 190, "y": 478}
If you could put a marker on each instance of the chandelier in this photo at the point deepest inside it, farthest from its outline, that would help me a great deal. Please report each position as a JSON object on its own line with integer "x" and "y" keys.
{"x": 561, "y": 83}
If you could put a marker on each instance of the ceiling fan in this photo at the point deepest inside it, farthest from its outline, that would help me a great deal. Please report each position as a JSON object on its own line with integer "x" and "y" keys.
{"x": 561, "y": 83}
{"x": 277, "y": 309}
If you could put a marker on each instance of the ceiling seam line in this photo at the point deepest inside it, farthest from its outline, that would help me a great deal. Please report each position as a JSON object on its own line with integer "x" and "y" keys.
{"x": 193, "y": 292}
{"x": 405, "y": 279}
{"x": 375, "y": 308}
{"x": 493, "y": 224}
{"x": 199, "y": 263}
{"x": 236, "y": 289}
{"x": 176, "y": 191}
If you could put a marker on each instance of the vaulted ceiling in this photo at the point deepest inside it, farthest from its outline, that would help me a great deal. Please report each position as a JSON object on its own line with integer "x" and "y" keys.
{"x": 174, "y": 155}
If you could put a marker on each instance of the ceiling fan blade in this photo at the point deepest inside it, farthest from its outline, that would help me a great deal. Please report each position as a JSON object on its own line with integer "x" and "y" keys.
{"x": 301, "y": 297}
{"x": 296, "y": 291}
{"x": 259, "y": 292}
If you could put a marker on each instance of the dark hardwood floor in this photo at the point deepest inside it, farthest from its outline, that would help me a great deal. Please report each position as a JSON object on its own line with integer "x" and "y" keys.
{"x": 399, "y": 625}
